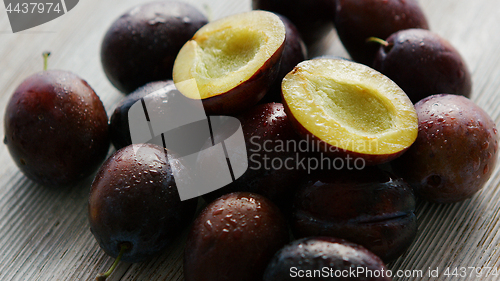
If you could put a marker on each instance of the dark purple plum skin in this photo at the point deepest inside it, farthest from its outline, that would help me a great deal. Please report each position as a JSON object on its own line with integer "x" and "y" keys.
{"x": 234, "y": 238}
{"x": 312, "y": 18}
{"x": 134, "y": 201}
{"x": 119, "y": 129}
{"x": 142, "y": 44}
{"x": 369, "y": 207}
{"x": 156, "y": 93}
{"x": 294, "y": 52}
{"x": 56, "y": 128}
{"x": 265, "y": 126}
{"x": 422, "y": 63}
{"x": 316, "y": 253}
{"x": 358, "y": 20}
{"x": 455, "y": 152}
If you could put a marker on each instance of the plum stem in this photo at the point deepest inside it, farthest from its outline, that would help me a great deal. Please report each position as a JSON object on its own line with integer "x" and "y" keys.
{"x": 45, "y": 56}
{"x": 104, "y": 276}
{"x": 378, "y": 40}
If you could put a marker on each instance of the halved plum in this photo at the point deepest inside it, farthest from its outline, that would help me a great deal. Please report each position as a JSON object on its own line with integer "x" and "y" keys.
{"x": 347, "y": 109}
{"x": 231, "y": 62}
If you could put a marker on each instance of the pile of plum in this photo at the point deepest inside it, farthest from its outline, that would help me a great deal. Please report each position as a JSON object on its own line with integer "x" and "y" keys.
{"x": 389, "y": 126}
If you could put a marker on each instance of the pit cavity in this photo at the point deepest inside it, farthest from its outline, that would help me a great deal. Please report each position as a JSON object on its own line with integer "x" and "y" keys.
{"x": 227, "y": 51}
{"x": 353, "y": 106}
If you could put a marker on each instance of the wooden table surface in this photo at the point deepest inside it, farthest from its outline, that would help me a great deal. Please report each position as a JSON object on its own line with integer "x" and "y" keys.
{"x": 44, "y": 233}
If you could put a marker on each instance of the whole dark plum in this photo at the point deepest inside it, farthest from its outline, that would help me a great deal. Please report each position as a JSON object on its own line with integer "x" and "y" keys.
{"x": 436, "y": 66}
{"x": 234, "y": 238}
{"x": 142, "y": 44}
{"x": 272, "y": 156}
{"x": 56, "y": 128}
{"x": 455, "y": 152}
{"x": 163, "y": 103}
{"x": 369, "y": 207}
{"x": 358, "y": 20}
{"x": 134, "y": 202}
{"x": 325, "y": 258}
{"x": 312, "y": 18}
{"x": 119, "y": 129}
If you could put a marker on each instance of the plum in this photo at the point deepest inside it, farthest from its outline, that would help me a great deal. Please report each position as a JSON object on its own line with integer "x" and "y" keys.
{"x": 294, "y": 52}
{"x": 325, "y": 258}
{"x": 349, "y": 110}
{"x": 56, "y": 128}
{"x": 119, "y": 129}
{"x": 134, "y": 203}
{"x": 231, "y": 63}
{"x": 313, "y": 18}
{"x": 370, "y": 207}
{"x": 234, "y": 238}
{"x": 272, "y": 169}
{"x": 358, "y": 20}
{"x": 455, "y": 152}
{"x": 436, "y": 66}
{"x": 141, "y": 45}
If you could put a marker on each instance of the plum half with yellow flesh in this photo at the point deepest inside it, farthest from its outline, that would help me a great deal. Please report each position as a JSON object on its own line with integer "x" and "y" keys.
{"x": 231, "y": 62}
{"x": 346, "y": 109}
